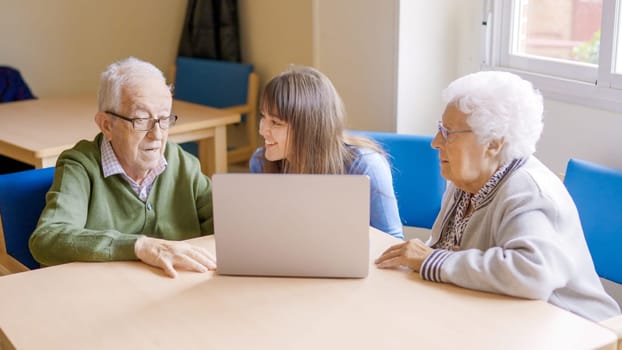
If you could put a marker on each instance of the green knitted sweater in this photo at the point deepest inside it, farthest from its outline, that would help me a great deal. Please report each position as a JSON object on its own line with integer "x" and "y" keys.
{"x": 91, "y": 218}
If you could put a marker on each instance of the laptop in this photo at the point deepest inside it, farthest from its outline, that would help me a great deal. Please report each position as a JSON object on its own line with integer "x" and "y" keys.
{"x": 291, "y": 225}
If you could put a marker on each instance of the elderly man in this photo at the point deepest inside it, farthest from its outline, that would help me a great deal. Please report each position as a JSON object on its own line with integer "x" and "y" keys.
{"x": 128, "y": 194}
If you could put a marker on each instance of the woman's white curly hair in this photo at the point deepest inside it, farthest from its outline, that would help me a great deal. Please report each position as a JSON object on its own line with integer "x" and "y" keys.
{"x": 500, "y": 105}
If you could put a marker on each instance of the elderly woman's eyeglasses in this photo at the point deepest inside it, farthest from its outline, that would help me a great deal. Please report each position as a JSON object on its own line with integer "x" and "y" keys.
{"x": 445, "y": 132}
{"x": 146, "y": 124}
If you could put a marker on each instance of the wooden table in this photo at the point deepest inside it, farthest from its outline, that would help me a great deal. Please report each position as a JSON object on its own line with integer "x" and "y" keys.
{"x": 128, "y": 305}
{"x": 37, "y": 131}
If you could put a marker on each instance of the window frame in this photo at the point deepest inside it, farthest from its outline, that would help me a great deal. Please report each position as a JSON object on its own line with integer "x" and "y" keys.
{"x": 577, "y": 83}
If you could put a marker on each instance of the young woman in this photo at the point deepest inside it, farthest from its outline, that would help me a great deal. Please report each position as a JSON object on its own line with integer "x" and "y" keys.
{"x": 302, "y": 122}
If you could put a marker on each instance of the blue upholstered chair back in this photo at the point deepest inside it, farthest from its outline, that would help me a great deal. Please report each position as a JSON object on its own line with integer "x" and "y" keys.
{"x": 219, "y": 84}
{"x": 213, "y": 83}
{"x": 417, "y": 179}
{"x": 12, "y": 85}
{"x": 597, "y": 193}
{"x": 22, "y": 198}
{"x": 12, "y": 88}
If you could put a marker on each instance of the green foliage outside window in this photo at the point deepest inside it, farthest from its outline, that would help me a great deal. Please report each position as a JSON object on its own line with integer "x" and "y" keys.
{"x": 588, "y": 51}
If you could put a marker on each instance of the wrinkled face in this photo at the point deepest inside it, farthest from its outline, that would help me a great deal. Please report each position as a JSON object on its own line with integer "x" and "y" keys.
{"x": 464, "y": 161}
{"x": 275, "y": 132}
{"x": 139, "y": 151}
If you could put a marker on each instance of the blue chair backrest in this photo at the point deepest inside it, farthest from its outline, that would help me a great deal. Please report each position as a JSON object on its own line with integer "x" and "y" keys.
{"x": 597, "y": 193}
{"x": 417, "y": 179}
{"x": 213, "y": 83}
{"x": 22, "y": 198}
{"x": 12, "y": 88}
{"x": 12, "y": 85}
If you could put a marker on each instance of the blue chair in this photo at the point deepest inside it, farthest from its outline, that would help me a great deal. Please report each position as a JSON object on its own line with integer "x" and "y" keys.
{"x": 597, "y": 193}
{"x": 417, "y": 179}
{"x": 22, "y": 198}
{"x": 13, "y": 88}
{"x": 227, "y": 85}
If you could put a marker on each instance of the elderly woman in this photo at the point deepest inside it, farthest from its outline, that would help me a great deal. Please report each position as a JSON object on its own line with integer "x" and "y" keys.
{"x": 507, "y": 224}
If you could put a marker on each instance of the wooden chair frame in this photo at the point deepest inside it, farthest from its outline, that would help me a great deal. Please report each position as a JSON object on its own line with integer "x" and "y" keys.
{"x": 8, "y": 264}
{"x": 250, "y": 110}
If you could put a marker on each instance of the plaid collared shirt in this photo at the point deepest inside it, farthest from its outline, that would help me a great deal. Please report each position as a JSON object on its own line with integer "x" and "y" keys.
{"x": 111, "y": 166}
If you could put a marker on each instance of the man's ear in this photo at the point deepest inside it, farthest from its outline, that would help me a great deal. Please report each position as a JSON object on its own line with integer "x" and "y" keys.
{"x": 495, "y": 146}
{"x": 104, "y": 121}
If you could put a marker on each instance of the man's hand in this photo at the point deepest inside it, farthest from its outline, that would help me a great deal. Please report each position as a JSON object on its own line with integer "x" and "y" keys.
{"x": 169, "y": 255}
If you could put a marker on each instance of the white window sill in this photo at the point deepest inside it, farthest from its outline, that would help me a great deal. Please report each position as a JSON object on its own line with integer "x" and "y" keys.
{"x": 571, "y": 91}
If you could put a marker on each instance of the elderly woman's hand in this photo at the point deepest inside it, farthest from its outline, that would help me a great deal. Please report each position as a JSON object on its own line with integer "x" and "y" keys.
{"x": 410, "y": 254}
{"x": 169, "y": 255}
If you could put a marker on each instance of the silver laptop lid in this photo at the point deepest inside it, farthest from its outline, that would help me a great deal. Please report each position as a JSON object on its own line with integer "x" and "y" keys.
{"x": 292, "y": 225}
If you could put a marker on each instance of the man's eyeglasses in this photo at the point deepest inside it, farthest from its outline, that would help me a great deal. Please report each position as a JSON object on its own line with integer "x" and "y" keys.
{"x": 445, "y": 132}
{"x": 146, "y": 124}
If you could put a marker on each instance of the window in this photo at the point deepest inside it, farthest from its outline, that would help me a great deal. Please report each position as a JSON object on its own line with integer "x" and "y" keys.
{"x": 567, "y": 48}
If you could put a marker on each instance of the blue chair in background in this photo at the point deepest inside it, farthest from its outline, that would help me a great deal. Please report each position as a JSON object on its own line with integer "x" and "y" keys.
{"x": 597, "y": 193}
{"x": 22, "y": 198}
{"x": 417, "y": 179}
{"x": 13, "y": 88}
{"x": 221, "y": 84}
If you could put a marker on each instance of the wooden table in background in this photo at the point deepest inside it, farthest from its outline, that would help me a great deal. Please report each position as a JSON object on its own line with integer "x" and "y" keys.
{"x": 128, "y": 305}
{"x": 37, "y": 131}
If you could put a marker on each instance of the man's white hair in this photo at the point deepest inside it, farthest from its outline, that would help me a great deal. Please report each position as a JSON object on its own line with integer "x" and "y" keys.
{"x": 126, "y": 72}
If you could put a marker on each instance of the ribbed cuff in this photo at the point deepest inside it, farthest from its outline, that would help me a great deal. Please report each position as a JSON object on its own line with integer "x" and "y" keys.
{"x": 123, "y": 248}
{"x": 431, "y": 267}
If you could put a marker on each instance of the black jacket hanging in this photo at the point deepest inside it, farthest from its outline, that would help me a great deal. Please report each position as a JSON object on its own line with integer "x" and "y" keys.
{"x": 211, "y": 30}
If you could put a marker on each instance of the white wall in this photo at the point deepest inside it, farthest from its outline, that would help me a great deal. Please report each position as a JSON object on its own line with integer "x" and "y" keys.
{"x": 356, "y": 46}
{"x": 573, "y": 131}
{"x": 430, "y": 43}
{"x": 61, "y": 46}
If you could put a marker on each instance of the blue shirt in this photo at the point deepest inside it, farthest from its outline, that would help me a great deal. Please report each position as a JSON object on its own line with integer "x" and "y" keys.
{"x": 384, "y": 214}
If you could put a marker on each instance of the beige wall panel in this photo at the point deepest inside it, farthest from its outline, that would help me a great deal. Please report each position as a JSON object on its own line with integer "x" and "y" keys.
{"x": 61, "y": 46}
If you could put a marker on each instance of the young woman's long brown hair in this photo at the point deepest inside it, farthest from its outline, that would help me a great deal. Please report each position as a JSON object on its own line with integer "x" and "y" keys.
{"x": 307, "y": 100}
